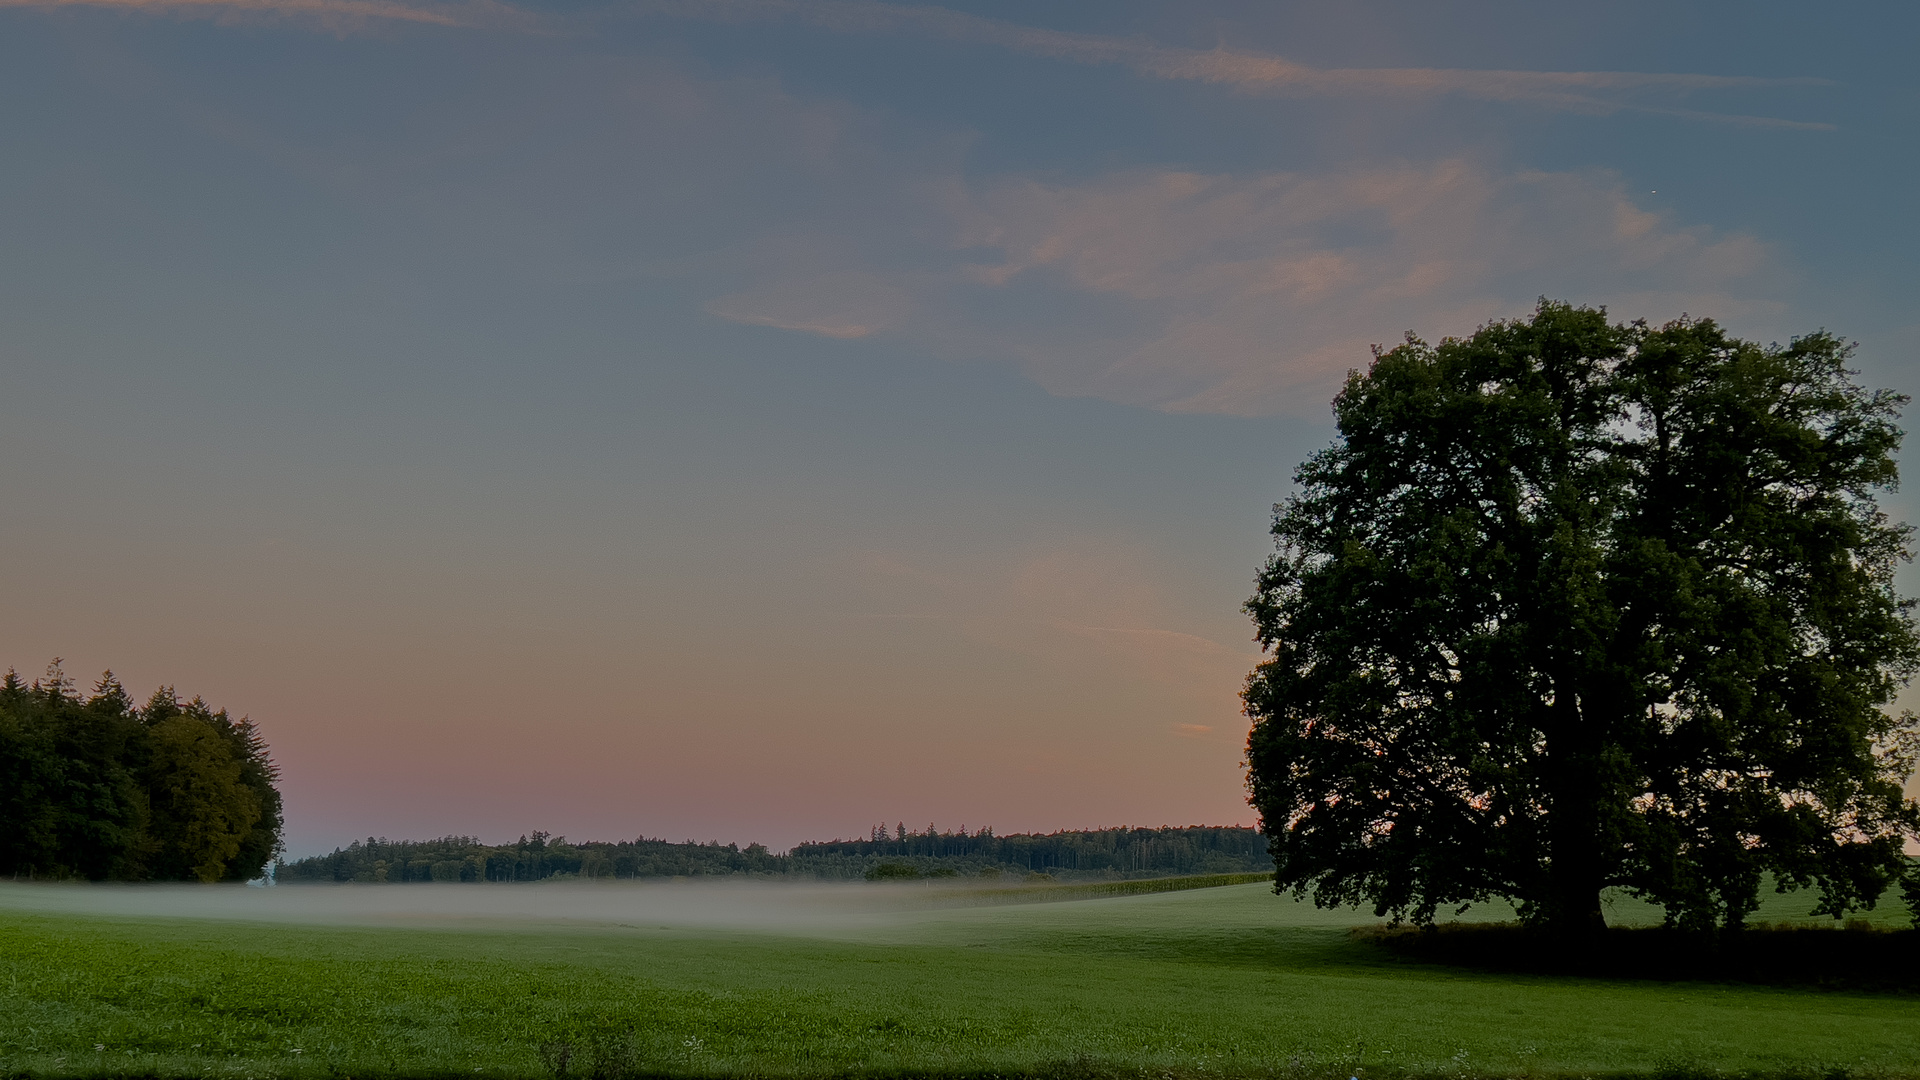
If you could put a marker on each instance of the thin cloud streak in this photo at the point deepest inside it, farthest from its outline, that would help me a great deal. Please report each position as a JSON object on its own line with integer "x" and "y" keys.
{"x": 819, "y": 305}
{"x": 843, "y": 331}
{"x": 474, "y": 13}
{"x": 1247, "y": 72}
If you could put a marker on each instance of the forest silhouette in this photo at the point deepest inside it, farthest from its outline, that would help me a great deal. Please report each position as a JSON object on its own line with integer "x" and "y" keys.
{"x": 882, "y": 854}
{"x": 98, "y": 788}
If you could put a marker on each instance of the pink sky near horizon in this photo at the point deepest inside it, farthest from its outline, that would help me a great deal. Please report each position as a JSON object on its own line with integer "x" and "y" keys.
{"x": 1032, "y": 697}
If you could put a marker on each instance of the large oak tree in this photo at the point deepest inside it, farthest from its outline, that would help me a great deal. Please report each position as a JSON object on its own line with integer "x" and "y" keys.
{"x": 1571, "y": 605}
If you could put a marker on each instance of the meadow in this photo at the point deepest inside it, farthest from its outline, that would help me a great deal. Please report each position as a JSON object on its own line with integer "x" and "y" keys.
{"x": 851, "y": 981}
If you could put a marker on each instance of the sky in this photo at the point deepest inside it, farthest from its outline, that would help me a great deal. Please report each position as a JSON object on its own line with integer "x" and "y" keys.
{"x": 756, "y": 420}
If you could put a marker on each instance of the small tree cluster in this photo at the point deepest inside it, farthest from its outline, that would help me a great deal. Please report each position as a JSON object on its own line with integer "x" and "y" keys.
{"x": 98, "y": 788}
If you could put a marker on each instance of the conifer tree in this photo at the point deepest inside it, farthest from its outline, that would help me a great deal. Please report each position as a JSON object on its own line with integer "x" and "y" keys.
{"x": 98, "y": 789}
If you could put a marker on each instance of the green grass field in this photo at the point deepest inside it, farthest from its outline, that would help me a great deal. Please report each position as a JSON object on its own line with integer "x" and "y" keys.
{"x": 1227, "y": 981}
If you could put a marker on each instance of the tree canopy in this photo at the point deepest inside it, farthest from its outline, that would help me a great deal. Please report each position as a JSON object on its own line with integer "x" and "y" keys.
{"x": 101, "y": 789}
{"x": 1571, "y": 605}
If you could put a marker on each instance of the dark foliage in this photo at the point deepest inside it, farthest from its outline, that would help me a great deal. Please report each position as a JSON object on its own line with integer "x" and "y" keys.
{"x": 1853, "y": 958}
{"x": 1101, "y": 853}
{"x": 532, "y": 858}
{"x": 1196, "y": 849}
{"x": 1572, "y": 605}
{"x": 892, "y": 871}
{"x": 99, "y": 789}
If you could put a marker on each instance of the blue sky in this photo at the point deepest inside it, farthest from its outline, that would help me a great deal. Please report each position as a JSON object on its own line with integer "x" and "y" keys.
{"x": 757, "y": 419}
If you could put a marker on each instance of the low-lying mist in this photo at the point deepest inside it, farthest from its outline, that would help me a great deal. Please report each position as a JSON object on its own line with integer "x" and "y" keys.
{"x": 809, "y": 908}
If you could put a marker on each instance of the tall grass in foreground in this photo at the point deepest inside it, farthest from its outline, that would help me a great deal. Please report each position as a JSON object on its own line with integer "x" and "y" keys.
{"x": 1209, "y": 983}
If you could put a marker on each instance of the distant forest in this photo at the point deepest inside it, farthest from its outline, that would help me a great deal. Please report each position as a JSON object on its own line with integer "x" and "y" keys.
{"x": 1096, "y": 854}
{"x": 98, "y": 788}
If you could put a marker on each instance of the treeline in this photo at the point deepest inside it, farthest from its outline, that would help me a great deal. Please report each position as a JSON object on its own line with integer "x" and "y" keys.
{"x": 537, "y": 857}
{"x": 1092, "y": 854}
{"x": 1193, "y": 849}
{"x": 97, "y": 788}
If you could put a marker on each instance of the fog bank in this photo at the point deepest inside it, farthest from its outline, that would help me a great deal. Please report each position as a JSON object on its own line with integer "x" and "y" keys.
{"x": 812, "y": 908}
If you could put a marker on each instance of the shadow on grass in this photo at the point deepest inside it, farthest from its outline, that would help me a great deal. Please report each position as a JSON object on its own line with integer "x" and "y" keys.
{"x": 1855, "y": 957}
{"x": 1297, "y": 950}
{"x": 1082, "y": 1068}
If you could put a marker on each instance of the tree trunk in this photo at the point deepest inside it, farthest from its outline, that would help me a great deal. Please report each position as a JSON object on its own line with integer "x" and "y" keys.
{"x": 1575, "y": 916}
{"x": 1577, "y": 870}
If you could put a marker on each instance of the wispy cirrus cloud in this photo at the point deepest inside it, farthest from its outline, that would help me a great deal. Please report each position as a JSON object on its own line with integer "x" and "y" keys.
{"x": 1237, "y": 292}
{"x": 1588, "y": 92}
{"x": 1250, "y": 294}
{"x": 1593, "y": 92}
{"x": 331, "y": 14}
